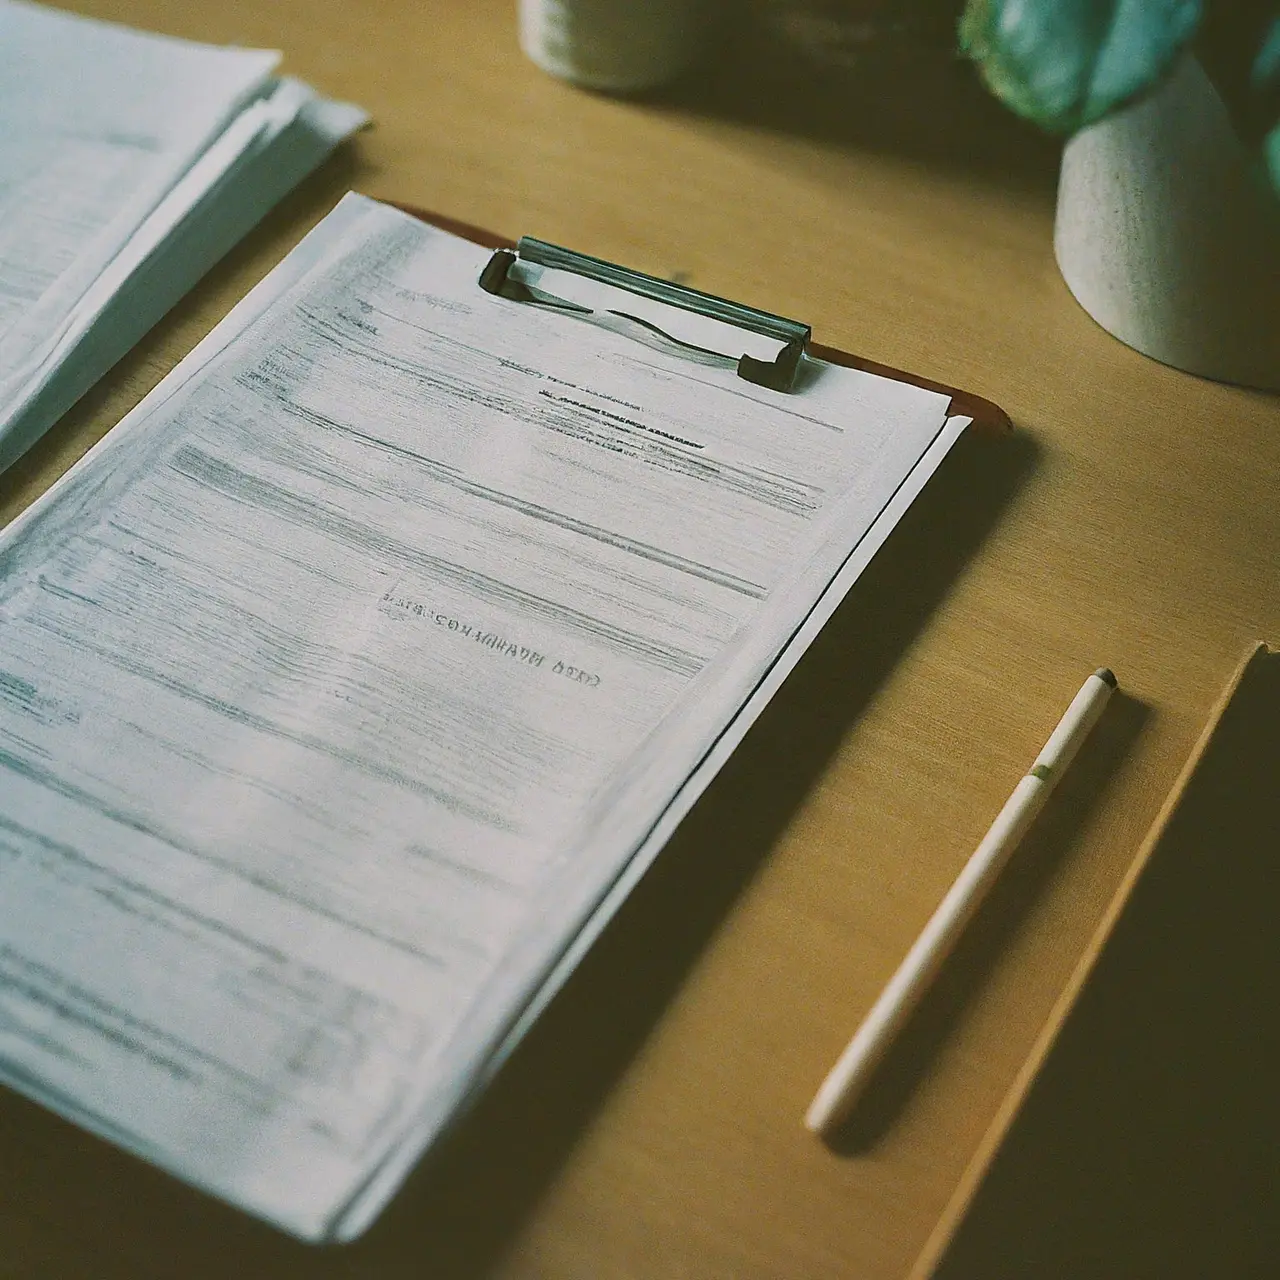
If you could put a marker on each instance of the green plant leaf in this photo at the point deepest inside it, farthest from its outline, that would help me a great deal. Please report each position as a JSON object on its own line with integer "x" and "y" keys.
{"x": 1271, "y": 154}
{"x": 1264, "y": 80}
{"x": 1066, "y": 63}
{"x": 1265, "y": 76}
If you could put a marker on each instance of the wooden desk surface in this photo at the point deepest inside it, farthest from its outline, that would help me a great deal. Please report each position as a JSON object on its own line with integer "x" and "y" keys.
{"x": 652, "y": 1124}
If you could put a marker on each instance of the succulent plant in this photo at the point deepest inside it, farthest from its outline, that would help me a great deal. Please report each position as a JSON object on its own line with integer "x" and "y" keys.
{"x": 1066, "y": 63}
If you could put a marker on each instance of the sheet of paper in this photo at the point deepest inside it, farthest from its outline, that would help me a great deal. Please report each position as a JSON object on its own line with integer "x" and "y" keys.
{"x": 261, "y": 156}
{"x": 109, "y": 139}
{"x": 99, "y": 123}
{"x": 340, "y": 683}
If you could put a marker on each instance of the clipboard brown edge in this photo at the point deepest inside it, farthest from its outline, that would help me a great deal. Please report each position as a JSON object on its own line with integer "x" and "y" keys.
{"x": 986, "y": 414}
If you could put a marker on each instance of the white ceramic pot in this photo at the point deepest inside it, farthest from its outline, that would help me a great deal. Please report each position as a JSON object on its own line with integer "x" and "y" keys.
{"x": 1168, "y": 240}
{"x": 621, "y": 46}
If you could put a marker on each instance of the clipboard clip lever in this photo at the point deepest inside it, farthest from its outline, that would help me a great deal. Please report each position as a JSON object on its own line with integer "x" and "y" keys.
{"x": 778, "y": 374}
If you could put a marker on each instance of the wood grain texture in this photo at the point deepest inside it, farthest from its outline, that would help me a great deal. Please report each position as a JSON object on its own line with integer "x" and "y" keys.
{"x": 652, "y": 1124}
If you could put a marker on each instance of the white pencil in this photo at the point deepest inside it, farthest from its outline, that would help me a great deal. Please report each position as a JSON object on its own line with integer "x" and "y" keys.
{"x": 839, "y": 1091}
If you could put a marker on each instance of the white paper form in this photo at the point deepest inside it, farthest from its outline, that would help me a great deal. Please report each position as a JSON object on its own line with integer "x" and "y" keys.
{"x": 339, "y": 684}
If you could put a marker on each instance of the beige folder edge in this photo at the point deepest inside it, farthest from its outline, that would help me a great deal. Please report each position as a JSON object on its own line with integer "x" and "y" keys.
{"x": 948, "y": 1225}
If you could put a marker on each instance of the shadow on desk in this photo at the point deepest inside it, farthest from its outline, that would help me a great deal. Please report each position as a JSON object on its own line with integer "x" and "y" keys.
{"x": 79, "y": 1207}
{"x": 786, "y": 68}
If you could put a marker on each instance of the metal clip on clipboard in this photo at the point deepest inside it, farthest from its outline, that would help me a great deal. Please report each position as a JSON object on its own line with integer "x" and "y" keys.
{"x": 778, "y": 374}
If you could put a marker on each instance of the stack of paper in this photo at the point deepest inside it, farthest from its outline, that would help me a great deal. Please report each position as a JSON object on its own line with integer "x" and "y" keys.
{"x": 349, "y": 683}
{"x": 129, "y": 163}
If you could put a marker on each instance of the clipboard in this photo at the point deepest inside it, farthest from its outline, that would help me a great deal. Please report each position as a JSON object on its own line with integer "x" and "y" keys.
{"x": 355, "y": 1183}
{"x": 987, "y": 416}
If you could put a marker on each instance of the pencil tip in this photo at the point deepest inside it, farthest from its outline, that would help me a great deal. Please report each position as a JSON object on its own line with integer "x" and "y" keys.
{"x": 1107, "y": 676}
